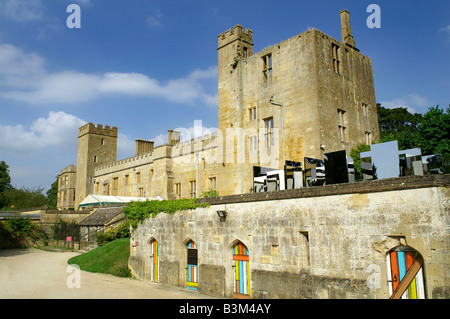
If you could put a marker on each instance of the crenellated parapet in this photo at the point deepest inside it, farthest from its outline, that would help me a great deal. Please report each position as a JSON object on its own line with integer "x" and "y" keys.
{"x": 90, "y": 128}
{"x": 236, "y": 33}
{"x": 201, "y": 143}
{"x": 129, "y": 162}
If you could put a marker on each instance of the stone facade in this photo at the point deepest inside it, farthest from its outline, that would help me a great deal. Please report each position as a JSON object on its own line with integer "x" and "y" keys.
{"x": 318, "y": 242}
{"x": 316, "y": 94}
{"x": 302, "y": 97}
{"x": 67, "y": 182}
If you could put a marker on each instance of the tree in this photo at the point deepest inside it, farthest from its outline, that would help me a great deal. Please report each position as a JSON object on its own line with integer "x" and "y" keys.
{"x": 23, "y": 198}
{"x": 398, "y": 124}
{"x": 435, "y": 131}
{"x": 52, "y": 195}
{"x": 355, "y": 154}
{"x": 5, "y": 179}
{"x": 435, "y": 135}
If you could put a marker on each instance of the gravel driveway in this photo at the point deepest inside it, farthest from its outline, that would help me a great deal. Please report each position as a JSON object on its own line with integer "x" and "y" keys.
{"x": 38, "y": 274}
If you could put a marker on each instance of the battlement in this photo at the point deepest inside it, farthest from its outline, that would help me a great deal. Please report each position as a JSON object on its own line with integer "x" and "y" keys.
{"x": 129, "y": 162}
{"x": 90, "y": 128}
{"x": 234, "y": 34}
{"x": 202, "y": 143}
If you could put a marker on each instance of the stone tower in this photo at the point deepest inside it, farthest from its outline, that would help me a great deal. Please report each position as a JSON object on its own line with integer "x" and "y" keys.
{"x": 96, "y": 146}
{"x": 234, "y": 47}
{"x": 303, "y": 97}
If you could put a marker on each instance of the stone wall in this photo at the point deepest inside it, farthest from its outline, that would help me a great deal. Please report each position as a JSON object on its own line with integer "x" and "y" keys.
{"x": 318, "y": 242}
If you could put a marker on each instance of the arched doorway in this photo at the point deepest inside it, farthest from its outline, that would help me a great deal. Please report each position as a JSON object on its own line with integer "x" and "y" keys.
{"x": 405, "y": 273}
{"x": 154, "y": 258}
{"x": 191, "y": 265}
{"x": 241, "y": 265}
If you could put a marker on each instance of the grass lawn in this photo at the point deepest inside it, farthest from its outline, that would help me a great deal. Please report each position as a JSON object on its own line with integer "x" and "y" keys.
{"x": 111, "y": 258}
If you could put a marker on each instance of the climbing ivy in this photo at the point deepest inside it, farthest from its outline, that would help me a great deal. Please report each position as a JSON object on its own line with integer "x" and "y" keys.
{"x": 236, "y": 61}
{"x": 137, "y": 212}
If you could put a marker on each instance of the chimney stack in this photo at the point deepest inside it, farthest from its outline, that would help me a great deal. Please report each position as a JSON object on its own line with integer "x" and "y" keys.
{"x": 143, "y": 146}
{"x": 346, "y": 30}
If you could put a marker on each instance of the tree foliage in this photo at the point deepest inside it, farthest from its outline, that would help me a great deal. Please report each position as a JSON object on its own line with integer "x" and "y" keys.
{"x": 355, "y": 154}
{"x": 52, "y": 195}
{"x": 434, "y": 131}
{"x": 24, "y": 198}
{"x": 398, "y": 124}
{"x": 430, "y": 132}
{"x": 5, "y": 179}
{"x": 12, "y": 198}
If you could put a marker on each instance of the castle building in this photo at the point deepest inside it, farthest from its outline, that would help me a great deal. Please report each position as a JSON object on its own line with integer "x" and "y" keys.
{"x": 303, "y": 97}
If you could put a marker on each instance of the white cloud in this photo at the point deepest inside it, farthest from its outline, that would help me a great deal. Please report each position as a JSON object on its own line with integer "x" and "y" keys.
{"x": 19, "y": 69}
{"x": 22, "y": 10}
{"x": 446, "y": 29}
{"x": 155, "y": 19}
{"x": 58, "y": 129}
{"x": 26, "y": 80}
{"x": 411, "y": 102}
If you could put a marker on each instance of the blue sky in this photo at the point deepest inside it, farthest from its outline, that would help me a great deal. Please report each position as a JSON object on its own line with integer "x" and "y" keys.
{"x": 149, "y": 66}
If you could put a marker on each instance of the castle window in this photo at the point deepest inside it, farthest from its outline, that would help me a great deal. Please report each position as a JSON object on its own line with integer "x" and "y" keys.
{"x": 341, "y": 125}
{"x": 252, "y": 113}
{"x": 115, "y": 185}
{"x": 268, "y": 133}
{"x": 365, "y": 109}
{"x": 141, "y": 192}
{"x": 253, "y": 143}
{"x": 336, "y": 60}
{"x": 193, "y": 192}
{"x": 138, "y": 177}
{"x": 267, "y": 67}
{"x": 178, "y": 190}
{"x": 102, "y": 141}
{"x": 212, "y": 183}
{"x": 305, "y": 239}
{"x": 95, "y": 159}
{"x": 368, "y": 138}
{"x": 365, "y": 112}
{"x": 245, "y": 52}
{"x": 127, "y": 179}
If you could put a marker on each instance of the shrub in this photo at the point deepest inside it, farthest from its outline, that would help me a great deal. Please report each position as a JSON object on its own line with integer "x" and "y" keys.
{"x": 121, "y": 270}
{"x": 20, "y": 226}
{"x": 122, "y": 231}
{"x": 20, "y": 231}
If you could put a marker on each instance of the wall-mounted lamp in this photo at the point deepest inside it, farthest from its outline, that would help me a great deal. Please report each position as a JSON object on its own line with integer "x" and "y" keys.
{"x": 222, "y": 215}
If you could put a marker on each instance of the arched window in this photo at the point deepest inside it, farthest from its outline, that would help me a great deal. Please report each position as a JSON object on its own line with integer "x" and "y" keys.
{"x": 191, "y": 265}
{"x": 241, "y": 264}
{"x": 405, "y": 273}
